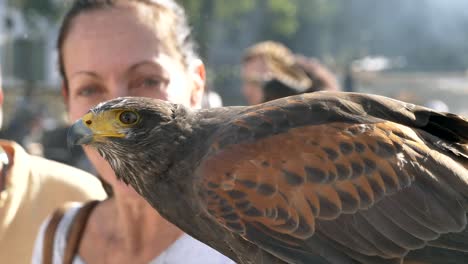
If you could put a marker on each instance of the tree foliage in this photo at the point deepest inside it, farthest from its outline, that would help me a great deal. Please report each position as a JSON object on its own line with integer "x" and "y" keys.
{"x": 49, "y": 9}
{"x": 430, "y": 34}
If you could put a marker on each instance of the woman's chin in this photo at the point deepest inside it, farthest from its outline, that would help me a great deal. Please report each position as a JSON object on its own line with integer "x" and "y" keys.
{"x": 107, "y": 173}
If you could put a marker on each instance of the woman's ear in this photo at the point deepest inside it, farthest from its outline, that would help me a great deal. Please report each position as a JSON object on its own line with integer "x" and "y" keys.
{"x": 197, "y": 70}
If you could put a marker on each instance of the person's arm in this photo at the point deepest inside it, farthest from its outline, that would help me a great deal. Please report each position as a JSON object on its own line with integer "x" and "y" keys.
{"x": 39, "y": 243}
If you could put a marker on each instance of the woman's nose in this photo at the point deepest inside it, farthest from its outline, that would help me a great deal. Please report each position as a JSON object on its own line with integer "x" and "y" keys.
{"x": 118, "y": 89}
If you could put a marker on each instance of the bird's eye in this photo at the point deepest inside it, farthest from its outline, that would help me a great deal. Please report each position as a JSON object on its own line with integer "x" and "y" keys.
{"x": 128, "y": 117}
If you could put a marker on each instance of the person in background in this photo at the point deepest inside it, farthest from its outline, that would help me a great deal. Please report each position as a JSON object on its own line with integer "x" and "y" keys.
{"x": 211, "y": 99}
{"x": 258, "y": 64}
{"x": 109, "y": 49}
{"x": 270, "y": 71}
{"x": 30, "y": 189}
{"x": 349, "y": 82}
{"x": 321, "y": 77}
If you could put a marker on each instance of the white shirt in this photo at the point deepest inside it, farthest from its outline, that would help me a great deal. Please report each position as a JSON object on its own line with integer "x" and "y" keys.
{"x": 186, "y": 249}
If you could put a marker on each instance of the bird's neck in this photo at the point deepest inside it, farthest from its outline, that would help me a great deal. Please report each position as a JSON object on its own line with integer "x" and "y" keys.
{"x": 191, "y": 143}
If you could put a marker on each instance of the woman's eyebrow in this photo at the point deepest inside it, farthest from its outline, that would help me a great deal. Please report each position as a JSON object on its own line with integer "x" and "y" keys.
{"x": 88, "y": 73}
{"x": 144, "y": 63}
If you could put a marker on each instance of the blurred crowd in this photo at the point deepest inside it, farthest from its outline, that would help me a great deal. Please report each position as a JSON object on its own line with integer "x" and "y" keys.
{"x": 269, "y": 71}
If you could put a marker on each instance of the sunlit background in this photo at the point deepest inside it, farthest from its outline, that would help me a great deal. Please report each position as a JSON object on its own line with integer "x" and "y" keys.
{"x": 416, "y": 51}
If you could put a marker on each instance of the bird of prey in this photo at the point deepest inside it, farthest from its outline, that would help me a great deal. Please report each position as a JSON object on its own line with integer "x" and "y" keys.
{"x": 316, "y": 178}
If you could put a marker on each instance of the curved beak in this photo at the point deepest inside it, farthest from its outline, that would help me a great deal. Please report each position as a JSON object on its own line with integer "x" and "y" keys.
{"x": 79, "y": 134}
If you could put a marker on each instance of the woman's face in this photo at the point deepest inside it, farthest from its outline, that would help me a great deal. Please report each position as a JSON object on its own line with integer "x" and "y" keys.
{"x": 254, "y": 72}
{"x": 116, "y": 52}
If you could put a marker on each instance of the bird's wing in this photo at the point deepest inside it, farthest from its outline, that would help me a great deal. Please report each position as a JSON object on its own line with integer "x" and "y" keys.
{"x": 344, "y": 176}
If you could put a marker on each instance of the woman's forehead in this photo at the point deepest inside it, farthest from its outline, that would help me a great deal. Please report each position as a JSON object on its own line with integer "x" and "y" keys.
{"x": 110, "y": 37}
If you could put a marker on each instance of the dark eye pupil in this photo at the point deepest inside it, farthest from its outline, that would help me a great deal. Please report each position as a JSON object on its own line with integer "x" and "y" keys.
{"x": 128, "y": 117}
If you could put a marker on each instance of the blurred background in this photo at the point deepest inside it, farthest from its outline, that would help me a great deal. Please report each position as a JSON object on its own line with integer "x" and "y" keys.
{"x": 415, "y": 51}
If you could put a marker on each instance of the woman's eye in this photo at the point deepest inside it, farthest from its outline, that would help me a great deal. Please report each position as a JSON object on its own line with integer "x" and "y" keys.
{"x": 88, "y": 91}
{"x": 151, "y": 82}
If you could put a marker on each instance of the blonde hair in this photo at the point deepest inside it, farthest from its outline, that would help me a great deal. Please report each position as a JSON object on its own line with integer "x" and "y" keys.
{"x": 281, "y": 64}
{"x": 271, "y": 50}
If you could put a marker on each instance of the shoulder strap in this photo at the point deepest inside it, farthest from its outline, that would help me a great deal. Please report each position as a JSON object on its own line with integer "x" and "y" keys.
{"x": 76, "y": 231}
{"x": 49, "y": 235}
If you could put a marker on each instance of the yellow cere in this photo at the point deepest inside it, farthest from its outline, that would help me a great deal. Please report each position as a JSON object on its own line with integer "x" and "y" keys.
{"x": 104, "y": 124}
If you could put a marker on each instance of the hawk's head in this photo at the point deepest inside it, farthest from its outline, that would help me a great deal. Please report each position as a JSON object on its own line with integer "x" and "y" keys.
{"x": 135, "y": 135}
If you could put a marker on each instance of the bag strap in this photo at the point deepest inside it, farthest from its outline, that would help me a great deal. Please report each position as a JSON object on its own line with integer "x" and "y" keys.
{"x": 48, "y": 246}
{"x": 75, "y": 232}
